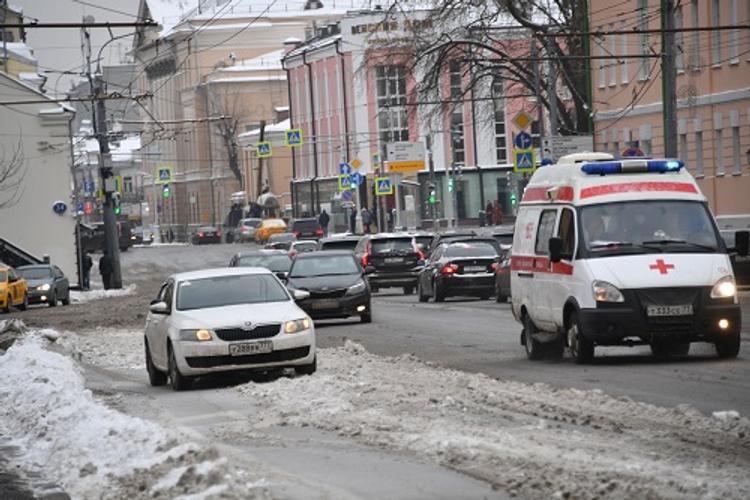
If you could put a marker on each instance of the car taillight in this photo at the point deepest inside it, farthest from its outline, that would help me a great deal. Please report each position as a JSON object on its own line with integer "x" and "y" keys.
{"x": 218, "y": 233}
{"x": 319, "y": 232}
{"x": 296, "y": 234}
{"x": 366, "y": 260}
{"x": 420, "y": 253}
{"x": 449, "y": 269}
{"x": 494, "y": 266}
{"x": 292, "y": 253}
{"x": 200, "y": 234}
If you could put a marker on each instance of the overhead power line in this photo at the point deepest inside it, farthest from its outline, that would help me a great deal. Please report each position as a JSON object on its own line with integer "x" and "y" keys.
{"x": 34, "y": 24}
{"x": 655, "y": 31}
{"x": 76, "y": 99}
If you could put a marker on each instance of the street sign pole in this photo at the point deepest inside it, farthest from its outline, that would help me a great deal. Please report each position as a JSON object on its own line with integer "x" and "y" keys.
{"x": 396, "y": 181}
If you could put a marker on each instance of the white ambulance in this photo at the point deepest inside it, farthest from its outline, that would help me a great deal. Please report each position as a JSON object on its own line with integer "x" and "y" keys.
{"x": 621, "y": 252}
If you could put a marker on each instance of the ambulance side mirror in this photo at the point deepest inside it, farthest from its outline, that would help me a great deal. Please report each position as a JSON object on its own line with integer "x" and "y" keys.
{"x": 742, "y": 242}
{"x": 555, "y": 249}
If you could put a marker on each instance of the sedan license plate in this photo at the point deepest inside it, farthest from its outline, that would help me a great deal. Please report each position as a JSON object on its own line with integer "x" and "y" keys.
{"x": 325, "y": 304}
{"x": 250, "y": 348}
{"x": 394, "y": 260}
{"x": 685, "y": 310}
{"x": 474, "y": 269}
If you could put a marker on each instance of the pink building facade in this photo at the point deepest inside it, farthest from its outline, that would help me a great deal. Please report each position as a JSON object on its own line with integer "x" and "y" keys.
{"x": 713, "y": 91}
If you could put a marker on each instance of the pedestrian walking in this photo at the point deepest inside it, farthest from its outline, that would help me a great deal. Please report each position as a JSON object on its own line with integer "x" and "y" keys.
{"x": 353, "y": 221}
{"x": 88, "y": 263}
{"x": 498, "y": 213}
{"x": 488, "y": 213}
{"x": 106, "y": 269}
{"x": 366, "y": 220}
{"x": 323, "y": 220}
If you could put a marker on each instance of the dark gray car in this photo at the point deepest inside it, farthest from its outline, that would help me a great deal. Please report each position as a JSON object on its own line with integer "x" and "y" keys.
{"x": 47, "y": 284}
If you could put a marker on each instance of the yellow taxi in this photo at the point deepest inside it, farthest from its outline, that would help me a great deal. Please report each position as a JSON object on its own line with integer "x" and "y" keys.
{"x": 13, "y": 290}
{"x": 269, "y": 227}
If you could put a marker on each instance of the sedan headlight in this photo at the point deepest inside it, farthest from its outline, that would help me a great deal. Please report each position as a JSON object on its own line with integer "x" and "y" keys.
{"x": 197, "y": 335}
{"x": 297, "y": 325}
{"x": 606, "y": 292}
{"x": 724, "y": 288}
{"x": 356, "y": 288}
{"x": 43, "y": 288}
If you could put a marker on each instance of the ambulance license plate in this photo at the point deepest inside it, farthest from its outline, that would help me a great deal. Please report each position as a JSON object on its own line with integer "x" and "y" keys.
{"x": 250, "y": 348}
{"x": 686, "y": 310}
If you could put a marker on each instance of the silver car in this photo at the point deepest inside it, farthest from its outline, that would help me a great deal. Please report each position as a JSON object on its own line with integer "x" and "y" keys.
{"x": 219, "y": 320}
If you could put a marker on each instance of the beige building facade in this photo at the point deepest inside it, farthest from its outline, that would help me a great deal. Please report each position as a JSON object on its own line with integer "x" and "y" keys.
{"x": 713, "y": 91}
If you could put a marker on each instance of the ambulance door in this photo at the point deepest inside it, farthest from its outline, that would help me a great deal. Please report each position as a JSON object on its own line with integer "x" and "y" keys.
{"x": 543, "y": 277}
{"x": 562, "y": 272}
{"x": 522, "y": 259}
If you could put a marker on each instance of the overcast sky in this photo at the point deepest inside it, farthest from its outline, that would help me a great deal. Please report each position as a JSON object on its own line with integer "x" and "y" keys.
{"x": 60, "y": 49}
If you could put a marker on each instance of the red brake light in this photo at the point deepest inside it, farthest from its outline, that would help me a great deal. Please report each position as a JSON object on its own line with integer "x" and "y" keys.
{"x": 366, "y": 260}
{"x": 201, "y": 234}
{"x": 292, "y": 253}
{"x": 420, "y": 253}
{"x": 449, "y": 269}
{"x": 319, "y": 232}
{"x": 218, "y": 233}
{"x": 296, "y": 234}
{"x": 494, "y": 266}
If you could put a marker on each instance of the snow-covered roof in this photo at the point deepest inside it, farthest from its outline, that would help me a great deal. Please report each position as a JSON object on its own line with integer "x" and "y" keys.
{"x": 250, "y": 79}
{"x": 269, "y": 60}
{"x": 22, "y": 51}
{"x": 276, "y": 127}
{"x": 124, "y": 150}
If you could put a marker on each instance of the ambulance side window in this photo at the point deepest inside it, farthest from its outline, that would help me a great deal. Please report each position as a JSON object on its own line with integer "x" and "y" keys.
{"x": 566, "y": 232}
{"x": 545, "y": 231}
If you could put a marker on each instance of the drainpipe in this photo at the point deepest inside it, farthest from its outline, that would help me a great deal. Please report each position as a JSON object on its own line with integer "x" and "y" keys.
{"x": 313, "y": 199}
{"x": 476, "y": 152}
{"x": 291, "y": 125}
{"x": 343, "y": 93}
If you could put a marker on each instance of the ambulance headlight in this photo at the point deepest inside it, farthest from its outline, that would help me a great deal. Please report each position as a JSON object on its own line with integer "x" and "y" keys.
{"x": 606, "y": 292}
{"x": 724, "y": 289}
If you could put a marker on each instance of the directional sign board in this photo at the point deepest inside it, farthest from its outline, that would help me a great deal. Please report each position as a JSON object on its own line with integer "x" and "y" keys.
{"x": 405, "y": 156}
{"x": 383, "y": 186}
{"x": 523, "y": 140}
{"x": 263, "y": 149}
{"x": 163, "y": 175}
{"x": 556, "y": 147}
{"x": 524, "y": 160}
{"x": 356, "y": 178}
{"x": 293, "y": 137}
{"x": 345, "y": 168}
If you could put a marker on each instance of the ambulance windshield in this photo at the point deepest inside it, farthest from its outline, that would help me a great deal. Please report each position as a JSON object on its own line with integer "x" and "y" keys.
{"x": 648, "y": 227}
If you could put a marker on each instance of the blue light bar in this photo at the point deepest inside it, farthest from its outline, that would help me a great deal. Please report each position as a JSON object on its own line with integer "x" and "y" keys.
{"x": 628, "y": 166}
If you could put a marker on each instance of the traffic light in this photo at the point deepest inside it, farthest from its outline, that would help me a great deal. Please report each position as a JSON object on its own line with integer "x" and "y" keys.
{"x": 450, "y": 184}
{"x": 116, "y": 203}
{"x": 165, "y": 191}
{"x": 432, "y": 199}
{"x": 513, "y": 199}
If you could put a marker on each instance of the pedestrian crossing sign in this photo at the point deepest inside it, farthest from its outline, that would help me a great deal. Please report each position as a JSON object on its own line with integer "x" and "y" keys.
{"x": 383, "y": 186}
{"x": 263, "y": 149}
{"x": 163, "y": 175}
{"x": 524, "y": 160}
{"x": 345, "y": 183}
{"x": 293, "y": 137}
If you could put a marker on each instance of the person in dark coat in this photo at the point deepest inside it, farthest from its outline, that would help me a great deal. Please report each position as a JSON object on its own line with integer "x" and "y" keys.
{"x": 489, "y": 213}
{"x": 106, "y": 269}
{"x": 88, "y": 263}
{"x": 366, "y": 220}
{"x": 323, "y": 220}
{"x": 353, "y": 221}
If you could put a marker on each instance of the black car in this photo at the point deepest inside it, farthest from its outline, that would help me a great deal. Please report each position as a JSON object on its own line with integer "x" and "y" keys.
{"x": 207, "y": 234}
{"x": 740, "y": 263}
{"x": 441, "y": 238}
{"x": 347, "y": 242}
{"x": 502, "y": 276}
{"x": 336, "y": 282}
{"x": 306, "y": 229}
{"x": 93, "y": 238}
{"x": 459, "y": 268}
{"x": 394, "y": 258}
{"x": 46, "y": 284}
{"x": 276, "y": 261}
{"x": 424, "y": 242}
{"x": 280, "y": 241}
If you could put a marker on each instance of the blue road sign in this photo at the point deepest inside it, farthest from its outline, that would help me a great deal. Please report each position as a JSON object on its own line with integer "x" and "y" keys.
{"x": 523, "y": 140}
{"x": 345, "y": 168}
{"x": 383, "y": 186}
{"x": 264, "y": 149}
{"x": 79, "y": 207}
{"x": 346, "y": 195}
{"x": 294, "y": 137}
{"x": 356, "y": 178}
{"x": 88, "y": 187}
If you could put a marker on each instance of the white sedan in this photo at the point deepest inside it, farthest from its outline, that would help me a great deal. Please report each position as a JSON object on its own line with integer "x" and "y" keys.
{"x": 218, "y": 320}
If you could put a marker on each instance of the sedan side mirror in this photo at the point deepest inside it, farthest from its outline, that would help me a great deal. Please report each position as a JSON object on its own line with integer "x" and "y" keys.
{"x": 300, "y": 295}
{"x": 742, "y": 242}
{"x": 159, "y": 308}
{"x": 369, "y": 269}
{"x": 282, "y": 275}
{"x": 555, "y": 249}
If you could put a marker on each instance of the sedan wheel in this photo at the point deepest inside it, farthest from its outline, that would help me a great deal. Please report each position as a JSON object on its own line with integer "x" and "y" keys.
{"x": 420, "y": 293}
{"x": 8, "y": 302}
{"x": 437, "y": 294}
{"x": 53, "y": 299}
{"x": 66, "y": 300}
{"x": 25, "y": 304}
{"x": 178, "y": 381}
{"x": 155, "y": 376}
{"x": 307, "y": 369}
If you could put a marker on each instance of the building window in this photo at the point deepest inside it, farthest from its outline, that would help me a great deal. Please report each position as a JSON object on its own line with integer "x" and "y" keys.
{"x": 719, "y": 148}
{"x": 624, "y": 61}
{"x": 127, "y": 184}
{"x": 737, "y": 166}
{"x": 643, "y": 38}
{"x": 715, "y": 34}
{"x": 615, "y": 148}
{"x": 683, "y": 145}
{"x": 695, "y": 58}
{"x": 457, "y": 113}
{"x": 699, "y": 171}
{"x": 498, "y": 102}
{"x": 612, "y": 52}
{"x": 602, "y": 68}
{"x": 393, "y": 125}
{"x": 734, "y": 35}
{"x": 679, "y": 40}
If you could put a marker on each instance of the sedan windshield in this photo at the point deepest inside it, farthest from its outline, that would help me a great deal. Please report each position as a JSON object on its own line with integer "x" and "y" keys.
{"x": 648, "y": 227}
{"x": 470, "y": 250}
{"x": 324, "y": 266}
{"x": 35, "y": 273}
{"x": 392, "y": 245}
{"x": 275, "y": 263}
{"x": 228, "y": 291}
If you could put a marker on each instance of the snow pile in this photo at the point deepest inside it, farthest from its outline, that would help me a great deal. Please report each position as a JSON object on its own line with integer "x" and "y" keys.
{"x": 94, "y": 451}
{"x": 532, "y": 440}
{"x": 107, "y": 348}
{"x": 80, "y": 297}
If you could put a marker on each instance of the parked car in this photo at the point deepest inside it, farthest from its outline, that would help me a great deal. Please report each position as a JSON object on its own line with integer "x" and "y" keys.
{"x": 46, "y": 284}
{"x": 227, "y": 319}
{"x": 424, "y": 241}
{"x": 93, "y": 236}
{"x": 339, "y": 242}
{"x": 13, "y": 290}
{"x": 502, "y": 276}
{"x": 302, "y": 247}
{"x": 336, "y": 284}
{"x": 459, "y": 268}
{"x": 740, "y": 263}
{"x": 280, "y": 241}
{"x": 246, "y": 230}
{"x": 395, "y": 260}
{"x": 142, "y": 236}
{"x": 267, "y": 228}
{"x": 206, "y": 234}
{"x": 276, "y": 261}
{"x": 306, "y": 229}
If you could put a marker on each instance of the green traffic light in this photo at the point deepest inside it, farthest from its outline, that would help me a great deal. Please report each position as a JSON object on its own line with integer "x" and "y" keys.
{"x": 165, "y": 192}
{"x": 118, "y": 210}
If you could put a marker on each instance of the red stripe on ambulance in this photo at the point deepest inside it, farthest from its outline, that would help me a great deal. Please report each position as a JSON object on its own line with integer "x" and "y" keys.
{"x": 539, "y": 265}
{"x": 638, "y": 187}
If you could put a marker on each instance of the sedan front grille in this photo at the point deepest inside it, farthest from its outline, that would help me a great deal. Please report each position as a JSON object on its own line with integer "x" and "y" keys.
{"x": 327, "y": 294}
{"x": 268, "y": 357}
{"x": 259, "y": 332}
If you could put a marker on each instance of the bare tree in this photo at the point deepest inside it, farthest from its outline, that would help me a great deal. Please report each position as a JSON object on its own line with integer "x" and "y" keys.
{"x": 12, "y": 174}
{"x": 231, "y": 107}
{"x": 500, "y": 40}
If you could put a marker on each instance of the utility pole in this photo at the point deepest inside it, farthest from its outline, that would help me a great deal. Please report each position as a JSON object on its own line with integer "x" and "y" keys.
{"x": 99, "y": 122}
{"x": 259, "y": 184}
{"x": 5, "y": 43}
{"x": 668, "y": 79}
{"x": 537, "y": 87}
{"x": 552, "y": 90}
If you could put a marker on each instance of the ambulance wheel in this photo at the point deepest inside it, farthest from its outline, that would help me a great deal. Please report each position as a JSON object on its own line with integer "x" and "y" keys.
{"x": 581, "y": 348}
{"x": 534, "y": 348}
{"x": 728, "y": 347}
